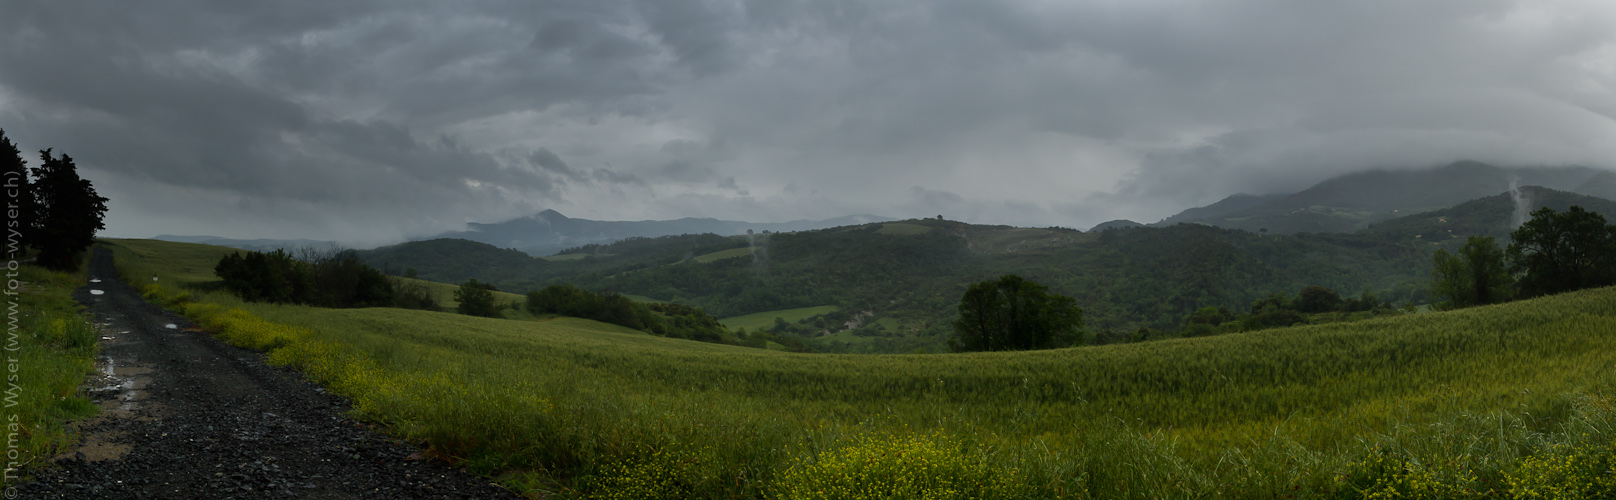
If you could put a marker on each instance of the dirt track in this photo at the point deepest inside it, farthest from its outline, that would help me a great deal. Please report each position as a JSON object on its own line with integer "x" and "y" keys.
{"x": 187, "y": 416}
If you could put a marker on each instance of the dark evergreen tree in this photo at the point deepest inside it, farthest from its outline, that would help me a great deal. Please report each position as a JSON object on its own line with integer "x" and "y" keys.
{"x": 68, "y": 211}
{"x": 1561, "y": 252}
{"x": 20, "y": 212}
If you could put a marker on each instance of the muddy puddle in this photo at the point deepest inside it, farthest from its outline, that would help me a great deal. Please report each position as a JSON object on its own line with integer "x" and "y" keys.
{"x": 120, "y": 389}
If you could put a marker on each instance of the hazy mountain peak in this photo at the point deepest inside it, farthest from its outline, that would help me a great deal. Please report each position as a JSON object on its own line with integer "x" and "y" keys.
{"x": 1114, "y": 224}
{"x": 548, "y": 232}
{"x": 1602, "y": 185}
{"x": 1351, "y": 202}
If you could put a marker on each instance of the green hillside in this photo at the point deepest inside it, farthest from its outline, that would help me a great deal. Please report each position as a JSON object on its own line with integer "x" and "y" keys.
{"x": 565, "y": 256}
{"x": 899, "y": 228}
{"x": 1476, "y": 399}
{"x": 455, "y": 261}
{"x": 765, "y": 319}
{"x": 1490, "y": 216}
{"x": 443, "y": 293}
{"x": 1352, "y": 202}
{"x": 1123, "y": 278}
{"x": 907, "y": 276}
{"x": 724, "y": 254}
{"x": 190, "y": 266}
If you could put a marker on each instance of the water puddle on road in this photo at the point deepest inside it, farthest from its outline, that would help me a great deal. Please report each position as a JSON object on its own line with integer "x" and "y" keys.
{"x": 127, "y": 383}
{"x": 119, "y": 388}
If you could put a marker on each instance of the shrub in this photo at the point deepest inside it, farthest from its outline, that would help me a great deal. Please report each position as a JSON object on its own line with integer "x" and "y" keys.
{"x": 1388, "y": 475}
{"x": 653, "y": 474}
{"x": 898, "y": 467}
{"x": 475, "y": 300}
{"x": 1566, "y": 473}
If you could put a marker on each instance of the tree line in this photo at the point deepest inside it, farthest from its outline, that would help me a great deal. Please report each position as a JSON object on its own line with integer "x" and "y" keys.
{"x": 324, "y": 278}
{"x": 1554, "y": 252}
{"x": 50, "y": 209}
{"x": 662, "y": 319}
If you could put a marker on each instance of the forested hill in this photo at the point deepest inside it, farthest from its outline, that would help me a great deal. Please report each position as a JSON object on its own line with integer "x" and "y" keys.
{"x": 1352, "y": 202}
{"x": 1492, "y": 216}
{"x": 898, "y": 283}
{"x": 895, "y": 285}
{"x": 548, "y": 232}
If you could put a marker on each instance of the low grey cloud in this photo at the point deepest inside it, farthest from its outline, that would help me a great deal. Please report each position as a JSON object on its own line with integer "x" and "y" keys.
{"x": 370, "y": 121}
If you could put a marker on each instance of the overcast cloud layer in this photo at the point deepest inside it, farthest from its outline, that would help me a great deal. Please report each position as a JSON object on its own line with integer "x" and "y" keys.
{"x": 369, "y": 121}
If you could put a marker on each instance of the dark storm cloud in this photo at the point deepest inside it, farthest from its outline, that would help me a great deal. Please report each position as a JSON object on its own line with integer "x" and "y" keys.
{"x": 416, "y": 116}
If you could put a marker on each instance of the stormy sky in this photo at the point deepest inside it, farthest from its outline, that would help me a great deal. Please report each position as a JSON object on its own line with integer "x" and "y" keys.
{"x": 370, "y": 121}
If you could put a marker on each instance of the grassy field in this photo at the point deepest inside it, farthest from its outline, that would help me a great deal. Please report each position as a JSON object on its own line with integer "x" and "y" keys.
{"x": 724, "y": 254}
{"x": 1509, "y": 401}
{"x": 444, "y": 294}
{"x": 642, "y": 298}
{"x": 190, "y": 266}
{"x": 50, "y": 349}
{"x": 754, "y": 321}
{"x": 177, "y": 265}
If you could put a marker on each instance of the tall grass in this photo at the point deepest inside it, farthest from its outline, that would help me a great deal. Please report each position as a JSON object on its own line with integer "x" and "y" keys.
{"x": 1506, "y": 400}
{"x": 757, "y": 321}
{"x": 49, "y": 350}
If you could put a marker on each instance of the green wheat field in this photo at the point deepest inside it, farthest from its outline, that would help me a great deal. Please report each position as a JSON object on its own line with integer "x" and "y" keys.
{"x": 1508, "y": 401}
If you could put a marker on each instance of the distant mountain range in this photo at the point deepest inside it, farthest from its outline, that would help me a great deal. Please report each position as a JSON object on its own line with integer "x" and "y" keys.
{"x": 257, "y": 245}
{"x": 1353, "y": 202}
{"x": 1495, "y": 216}
{"x": 1344, "y": 204}
{"x": 548, "y": 232}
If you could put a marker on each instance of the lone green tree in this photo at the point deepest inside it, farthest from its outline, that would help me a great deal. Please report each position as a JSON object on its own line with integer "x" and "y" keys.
{"x": 1317, "y": 299}
{"x": 1561, "y": 252}
{"x": 67, "y": 212}
{"x": 1011, "y": 313}
{"x": 476, "y": 300}
{"x": 1475, "y": 276}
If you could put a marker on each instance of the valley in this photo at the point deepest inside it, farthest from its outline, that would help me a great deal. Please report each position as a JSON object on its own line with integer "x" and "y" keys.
{"x": 837, "y": 364}
{"x": 810, "y": 250}
{"x": 1131, "y": 280}
{"x": 576, "y": 407}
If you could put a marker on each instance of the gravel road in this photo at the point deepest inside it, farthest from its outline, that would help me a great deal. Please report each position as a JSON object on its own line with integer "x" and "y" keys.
{"x": 187, "y": 416}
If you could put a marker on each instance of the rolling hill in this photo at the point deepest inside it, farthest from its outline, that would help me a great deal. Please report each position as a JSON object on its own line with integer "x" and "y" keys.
{"x": 1351, "y": 202}
{"x": 256, "y": 245}
{"x": 909, "y": 280}
{"x": 548, "y": 232}
{"x": 1602, "y": 186}
{"x": 1441, "y": 405}
{"x": 450, "y": 260}
{"x": 1494, "y": 216}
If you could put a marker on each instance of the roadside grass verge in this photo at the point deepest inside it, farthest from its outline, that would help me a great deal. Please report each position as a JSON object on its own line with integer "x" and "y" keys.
{"x": 50, "y": 349}
{"x": 1510, "y": 401}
